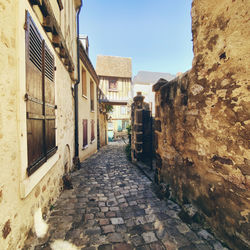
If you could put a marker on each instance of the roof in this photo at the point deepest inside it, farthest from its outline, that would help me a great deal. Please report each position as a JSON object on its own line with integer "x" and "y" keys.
{"x": 87, "y": 63}
{"x": 114, "y": 66}
{"x": 149, "y": 78}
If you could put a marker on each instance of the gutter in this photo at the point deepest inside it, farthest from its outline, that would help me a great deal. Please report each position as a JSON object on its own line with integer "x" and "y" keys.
{"x": 76, "y": 158}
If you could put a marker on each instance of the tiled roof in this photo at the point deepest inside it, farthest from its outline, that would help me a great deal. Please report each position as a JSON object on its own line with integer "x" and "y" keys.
{"x": 148, "y": 77}
{"x": 114, "y": 66}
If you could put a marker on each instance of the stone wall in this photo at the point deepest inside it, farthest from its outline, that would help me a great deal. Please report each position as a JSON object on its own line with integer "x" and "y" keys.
{"x": 140, "y": 119}
{"x": 203, "y": 121}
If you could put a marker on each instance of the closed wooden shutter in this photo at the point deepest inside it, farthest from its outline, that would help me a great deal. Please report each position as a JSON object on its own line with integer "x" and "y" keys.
{"x": 85, "y": 132}
{"x": 40, "y": 97}
{"x": 84, "y": 83}
{"x": 92, "y": 130}
{"x": 49, "y": 100}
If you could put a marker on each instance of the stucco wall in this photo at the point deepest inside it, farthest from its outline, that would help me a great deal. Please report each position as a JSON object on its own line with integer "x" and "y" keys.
{"x": 103, "y": 129}
{"x": 20, "y": 195}
{"x": 86, "y": 113}
{"x": 202, "y": 121}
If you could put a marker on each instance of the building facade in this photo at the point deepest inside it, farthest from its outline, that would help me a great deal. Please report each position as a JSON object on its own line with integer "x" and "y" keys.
{"x": 87, "y": 104}
{"x": 38, "y": 62}
{"x": 143, "y": 82}
{"x": 115, "y": 75}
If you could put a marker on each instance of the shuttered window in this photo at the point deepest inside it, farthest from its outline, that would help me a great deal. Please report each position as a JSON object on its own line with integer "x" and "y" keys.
{"x": 40, "y": 97}
{"x": 85, "y": 132}
{"x": 84, "y": 83}
{"x": 92, "y": 96}
{"x": 92, "y": 130}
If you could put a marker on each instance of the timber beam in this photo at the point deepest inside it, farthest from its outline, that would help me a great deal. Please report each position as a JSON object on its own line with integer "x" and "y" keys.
{"x": 54, "y": 32}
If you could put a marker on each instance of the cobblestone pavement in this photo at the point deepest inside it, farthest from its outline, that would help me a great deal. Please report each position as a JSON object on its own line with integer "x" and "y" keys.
{"x": 113, "y": 206}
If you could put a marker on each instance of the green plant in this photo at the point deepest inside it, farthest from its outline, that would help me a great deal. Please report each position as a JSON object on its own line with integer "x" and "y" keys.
{"x": 129, "y": 129}
{"x": 109, "y": 108}
{"x": 128, "y": 152}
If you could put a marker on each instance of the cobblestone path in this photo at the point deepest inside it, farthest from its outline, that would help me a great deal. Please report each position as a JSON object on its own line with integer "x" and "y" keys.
{"x": 113, "y": 206}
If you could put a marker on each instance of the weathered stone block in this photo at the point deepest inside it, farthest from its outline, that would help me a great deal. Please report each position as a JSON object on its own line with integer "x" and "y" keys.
{"x": 137, "y": 128}
{"x": 158, "y": 161}
{"x": 138, "y": 147}
{"x": 139, "y": 116}
{"x": 157, "y": 125}
{"x": 139, "y": 137}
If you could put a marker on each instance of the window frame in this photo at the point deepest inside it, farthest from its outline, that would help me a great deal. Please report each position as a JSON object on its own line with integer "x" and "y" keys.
{"x": 92, "y": 96}
{"x": 40, "y": 111}
{"x": 123, "y": 110}
{"x": 85, "y": 139}
{"x": 92, "y": 137}
{"x": 84, "y": 83}
{"x": 115, "y": 82}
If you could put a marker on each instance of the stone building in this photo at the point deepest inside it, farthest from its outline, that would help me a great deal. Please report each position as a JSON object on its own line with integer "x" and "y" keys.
{"x": 115, "y": 75}
{"x": 87, "y": 103}
{"x": 143, "y": 82}
{"x": 38, "y": 62}
{"x": 202, "y": 122}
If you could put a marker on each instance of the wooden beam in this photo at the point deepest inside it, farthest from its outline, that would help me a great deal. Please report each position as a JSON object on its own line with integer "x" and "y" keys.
{"x": 36, "y": 2}
{"x": 66, "y": 62}
{"x": 71, "y": 67}
{"x": 56, "y": 41}
{"x": 51, "y": 26}
{"x": 60, "y": 4}
{"x": 62, "y": 53}
{"x": 47, "y": 23}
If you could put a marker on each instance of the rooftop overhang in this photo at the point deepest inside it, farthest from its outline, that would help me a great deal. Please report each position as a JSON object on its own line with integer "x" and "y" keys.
{"x": 114, "y": 102}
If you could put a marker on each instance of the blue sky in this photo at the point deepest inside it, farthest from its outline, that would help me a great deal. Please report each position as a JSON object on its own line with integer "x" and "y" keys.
{"x": 156, "y": 34}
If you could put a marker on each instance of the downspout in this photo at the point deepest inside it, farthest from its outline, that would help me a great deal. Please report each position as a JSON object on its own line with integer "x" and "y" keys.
{"x": 76, "y": 158}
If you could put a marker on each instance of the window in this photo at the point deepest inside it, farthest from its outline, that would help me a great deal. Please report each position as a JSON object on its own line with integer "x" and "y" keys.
{"x": 40, "y": 97}
{"x": 123, "y": 110}
{"x": 84, "y": 83}
{"x": 85, "y": 132}
{"x": 125, "y": 123}
{"x": 92, "y": 94}
{"x": 110, "y": 126}
{"x": 92, "y": 130}
{"x": 113, "y": 85}
{"x": 119, "y": 125}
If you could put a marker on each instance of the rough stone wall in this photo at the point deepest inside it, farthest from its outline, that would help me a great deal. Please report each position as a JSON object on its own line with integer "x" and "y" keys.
{"x": 137, "y": 133}
{"x": 203, "y": 121}
{"x": 16, "y": 212}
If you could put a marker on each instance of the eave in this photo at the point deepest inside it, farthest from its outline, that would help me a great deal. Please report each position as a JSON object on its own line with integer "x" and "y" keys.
{"x": 87, "y": 63}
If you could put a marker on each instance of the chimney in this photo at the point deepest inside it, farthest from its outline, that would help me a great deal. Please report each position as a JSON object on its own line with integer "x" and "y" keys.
{"x": 85, "y": 43}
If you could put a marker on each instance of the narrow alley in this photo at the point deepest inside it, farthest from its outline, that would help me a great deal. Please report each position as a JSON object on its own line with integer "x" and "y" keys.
{"x": 114, "y": 206}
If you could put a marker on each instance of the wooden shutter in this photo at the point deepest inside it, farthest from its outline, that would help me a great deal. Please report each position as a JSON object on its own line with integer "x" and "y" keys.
{"x": 49, "y": 106}
{"x": 85, "y": 132}
{"x": 84, "y": 83}
{"x": 92, "y": 130}
{"x": 40, "y": 98}
{"x": 34, "y": 95}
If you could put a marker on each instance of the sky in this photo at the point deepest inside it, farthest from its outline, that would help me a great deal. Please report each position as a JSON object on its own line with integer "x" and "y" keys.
{"x": 156, "y": 34}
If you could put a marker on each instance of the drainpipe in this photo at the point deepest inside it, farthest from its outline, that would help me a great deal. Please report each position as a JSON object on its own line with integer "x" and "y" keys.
{"x": 76, "y": 158}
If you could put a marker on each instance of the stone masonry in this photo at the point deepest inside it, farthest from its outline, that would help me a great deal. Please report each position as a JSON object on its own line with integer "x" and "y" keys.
{"x": 139, "y": 110}
{"x": 203, "y": 121}
{"x": 114, "y": 206}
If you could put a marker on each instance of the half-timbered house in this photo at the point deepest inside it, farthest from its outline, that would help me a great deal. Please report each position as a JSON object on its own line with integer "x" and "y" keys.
{"x": 115, "y": 75}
